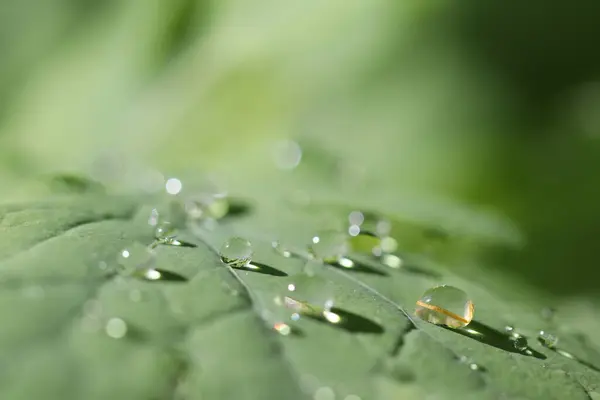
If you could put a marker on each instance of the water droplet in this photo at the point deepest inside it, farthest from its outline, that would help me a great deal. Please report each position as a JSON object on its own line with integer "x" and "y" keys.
{"x": 218, "y": 208}
{"x": 236, "y": 252}
{"x": 324, "y": 393}
{"x": 356, "y": 218}
{"x": 329, "y": 246}
{"x": 134, "y": 258}
{"x": 345, "y": 262}
{"x": 116, "y": 328}
{"x": 173, "y": 186}
{"x": 152, "y": 274}
{"x": 287, "y": 154}
{"x": 332, "y": 317}
{"x": 547, "y": 339}
{"x": 445, "y": 305}
{"x": 311, "y": 294}
{"x": 279, "y": 248}
{"x": 520, "y": 343}
{"x": 474, "y": 366}
{"x": 165, "y": 231}
{"x": 391, "y": 261}
{"x": 509, "y": 329}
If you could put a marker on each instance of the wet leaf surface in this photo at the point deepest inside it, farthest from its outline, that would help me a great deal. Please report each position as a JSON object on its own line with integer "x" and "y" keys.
{"x": 73, "y": 329}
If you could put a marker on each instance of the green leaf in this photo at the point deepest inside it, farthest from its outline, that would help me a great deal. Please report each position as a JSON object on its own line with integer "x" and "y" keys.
{"x": 205, "y": 336}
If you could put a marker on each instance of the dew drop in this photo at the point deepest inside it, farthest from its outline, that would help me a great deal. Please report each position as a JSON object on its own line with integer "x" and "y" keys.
{"x": 445, "y": 305}
{"x": 329, "y": 246}
{"x": 236, "y": 252}
{"x": 520, "y": 343}
{"x": 152, "y": 274}
{"x": 134, "y": 258}
{"x": 165, "y": 231}
{"x": 391, "y": 261}
{"x": 547, "y": 339}
{"x": 116, "y": 328}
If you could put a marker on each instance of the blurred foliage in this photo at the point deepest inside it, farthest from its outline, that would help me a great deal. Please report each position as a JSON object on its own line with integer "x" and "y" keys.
{"x": 490, "y": 104}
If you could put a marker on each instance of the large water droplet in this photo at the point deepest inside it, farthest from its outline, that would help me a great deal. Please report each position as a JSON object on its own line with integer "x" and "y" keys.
{"x": 236, "y": 252}
{"x": 445, "y": 305}
{"x": 329, "y": 246}
{"x": 520, "y": 343}
{"x": 116, "y": 328}
{"x": 134, "y": 258}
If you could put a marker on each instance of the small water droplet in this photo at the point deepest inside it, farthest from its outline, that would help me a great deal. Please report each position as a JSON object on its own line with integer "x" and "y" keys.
{"x": 287, "y": 154}
{"x": 509, "y": 329}
{"x": 474, "y": 366}
{"x": 103, "y": 265}
{"x": 520, "y": 343}
{"x": 173, "y": 186}
{"x": 116, "y": 328}
{"x": 547, "y": 339}
{"x": 332, "y": 317}
{"x": 152, "y": 274}
{"x": 165, "y": 231}
{"x": 445, "y": 305}
{"x": 391, "y": 261}
{"x": 329, "y": 246}
{"x": 345, "y": 262}
{"x": 279, "y": 248}
{"x": 134, "y": 258}
{"x": 236, "y": 252}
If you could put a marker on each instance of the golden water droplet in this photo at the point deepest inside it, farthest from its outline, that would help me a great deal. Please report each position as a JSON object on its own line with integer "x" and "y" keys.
{"x": 445, "y": 305}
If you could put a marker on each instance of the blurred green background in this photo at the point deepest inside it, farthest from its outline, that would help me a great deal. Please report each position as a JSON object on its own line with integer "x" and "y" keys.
{"x": 492, "y": 105}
